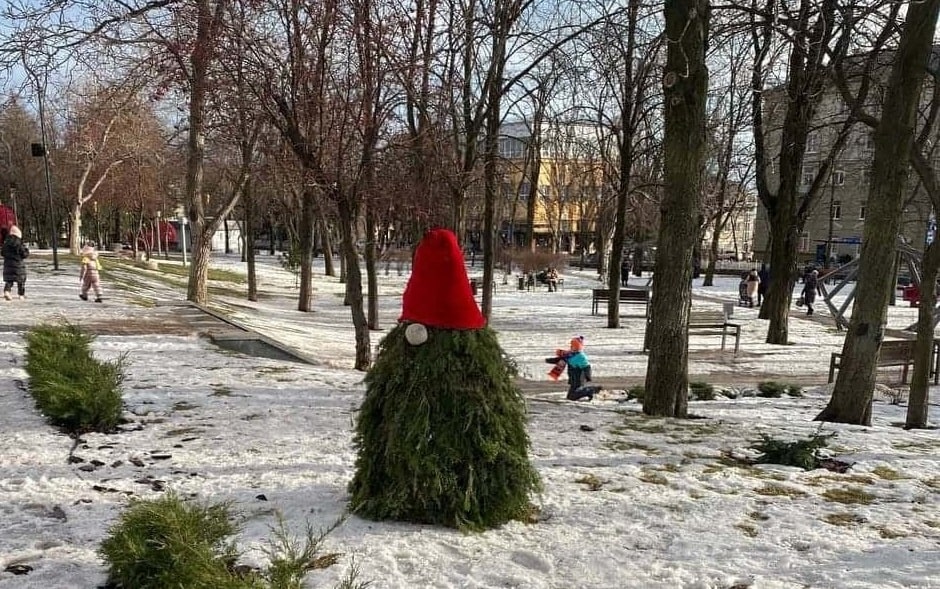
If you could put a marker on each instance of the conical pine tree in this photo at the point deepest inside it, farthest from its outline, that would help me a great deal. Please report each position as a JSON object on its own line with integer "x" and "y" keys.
{"x": 441, "y": 435}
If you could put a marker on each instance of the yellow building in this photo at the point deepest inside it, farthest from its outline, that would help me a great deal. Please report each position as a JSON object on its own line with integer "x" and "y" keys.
{"x": 568, "y": 191}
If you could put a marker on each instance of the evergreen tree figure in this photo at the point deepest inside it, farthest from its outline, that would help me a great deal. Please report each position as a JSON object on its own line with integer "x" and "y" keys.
{"x": 441, "y": 435}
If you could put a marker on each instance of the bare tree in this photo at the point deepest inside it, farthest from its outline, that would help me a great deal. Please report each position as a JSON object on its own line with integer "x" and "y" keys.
{"x": 731, "y": 154}
{"x": 685, "y": 84}
{"x": 818, "y": 34}
{"x": 894, "y": 135}
{"x": 99, "y": 136}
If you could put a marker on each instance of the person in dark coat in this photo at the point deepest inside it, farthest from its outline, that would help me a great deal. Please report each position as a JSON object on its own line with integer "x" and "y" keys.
{"x": 625, "y": 271}
{"x": 810, "y": 286}
{"x": 14, "y": 263}
{"x": 764, "y": 275}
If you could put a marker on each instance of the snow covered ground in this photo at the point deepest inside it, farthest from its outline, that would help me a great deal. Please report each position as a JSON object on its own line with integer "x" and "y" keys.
{"x": 628, "y": 501}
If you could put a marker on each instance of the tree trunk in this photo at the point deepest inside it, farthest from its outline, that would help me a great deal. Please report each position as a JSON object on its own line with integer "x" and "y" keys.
{"x": 116, "y": 236}
{"x": 347, "y": 222}
{"x": 852, "y": 394}
{"x": 628, "y": 98}
{"x": 713, "y": 258}
{"x": 249, "y": 242}
{"x": 75, "y": 231}
{"x": 685, "y": 85}
{"x": 459, "y": 202}
{"x": 272, "y": 229}
{"x": 783, "y": 268}
{"x": 200, "y": 57}
{"x": 307, "y": 212}
{"x": 199, "y": 270}
{"x": 326, "y": 244}
{"x": 919, "y": 399}
{"x": 371, "y": 272}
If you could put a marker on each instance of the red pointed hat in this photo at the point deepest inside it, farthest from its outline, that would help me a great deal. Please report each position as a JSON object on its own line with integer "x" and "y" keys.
{"x": 438, "y": 292}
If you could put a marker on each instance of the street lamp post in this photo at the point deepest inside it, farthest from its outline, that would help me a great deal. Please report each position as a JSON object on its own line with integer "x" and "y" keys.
{"x": 832, "y": 188}
{"x": 40, "y": 150}
{"x": 159, "y": 238}
{"x": 183, "y": 236}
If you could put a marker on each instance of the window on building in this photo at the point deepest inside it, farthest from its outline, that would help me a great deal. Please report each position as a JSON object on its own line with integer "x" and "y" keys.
{"x": 809, "y": 174}
{"x": 838, "y": 178}
{"x": 836, "y": 209}
{"x": 511, "y": 148}
{"x": 812, "y": 143}
{"x": 861, "y": 213}
{"x": 804, "y": 242}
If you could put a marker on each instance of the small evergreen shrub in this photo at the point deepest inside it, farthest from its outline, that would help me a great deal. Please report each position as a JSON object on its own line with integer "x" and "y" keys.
{"x": 795, "y": 390}
{"x": 702, "y": 391}
{"x": 771, "y": 389}
{"x": 636, "y": 392}
{"x": 166, "y": 542}
{"x": 74, "y": 390}
{"x": 801, "y": 453}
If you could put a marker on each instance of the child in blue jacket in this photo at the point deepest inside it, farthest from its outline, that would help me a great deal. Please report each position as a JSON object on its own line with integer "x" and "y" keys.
{"x": 579, "y": 370}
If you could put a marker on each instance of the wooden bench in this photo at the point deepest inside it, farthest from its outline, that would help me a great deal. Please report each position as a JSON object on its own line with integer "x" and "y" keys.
{"x": 894, "y": 353}
{"x": 628, "y": 296}
{"x": 709, "y": 323}
{"x": 715, "y": 323}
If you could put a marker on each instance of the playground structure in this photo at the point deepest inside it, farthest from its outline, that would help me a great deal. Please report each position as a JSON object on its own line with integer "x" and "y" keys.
{"x": 907, "y": 256}
{"x": 149, "y": 238}
{"x": 7, "y": 220}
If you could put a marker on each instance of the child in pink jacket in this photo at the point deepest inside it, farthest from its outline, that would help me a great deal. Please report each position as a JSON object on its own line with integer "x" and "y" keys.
{"x": 89, "y": 273}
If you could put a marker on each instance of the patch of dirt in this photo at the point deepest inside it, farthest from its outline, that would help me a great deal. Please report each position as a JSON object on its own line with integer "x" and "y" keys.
{"x": 140, "y": 326}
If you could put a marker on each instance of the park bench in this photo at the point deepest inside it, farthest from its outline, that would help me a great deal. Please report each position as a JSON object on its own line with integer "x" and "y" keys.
{"x": 894, "y": 353}
{"x": 709, "y": 323}
{"x": 715, "y": 323}
{"x": 542, "y": 278}
{"x": 628, "y": 296}
{"x": 476, "y": 282}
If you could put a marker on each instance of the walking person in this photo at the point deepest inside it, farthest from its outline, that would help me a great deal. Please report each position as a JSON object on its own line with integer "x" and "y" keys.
{"x": 764, "y": 275}
{"x": 752, "y": 286}
{"x": 14, "y": 264}
{"x": 810, "y": 287}
{"x": 89, "y": 273}
{"x": 625, "y": 271}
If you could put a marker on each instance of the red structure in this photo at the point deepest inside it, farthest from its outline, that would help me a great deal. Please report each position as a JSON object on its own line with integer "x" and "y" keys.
{"x": 912, "y": 294}
{"x": 7, "y": 220}
{"x": 148, "y": 235}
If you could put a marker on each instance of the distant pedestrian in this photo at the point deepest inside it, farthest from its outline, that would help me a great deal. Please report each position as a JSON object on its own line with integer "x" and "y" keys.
{"x": 89, "y": 273}
{"x": 764, "y": 275}
{"x": 753, "y": 285}
{"x": 625, "y": 271}
{"x": 551, "y": 279}
{"x": 14, "y": 263}
{"x": 810, "y": 287}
